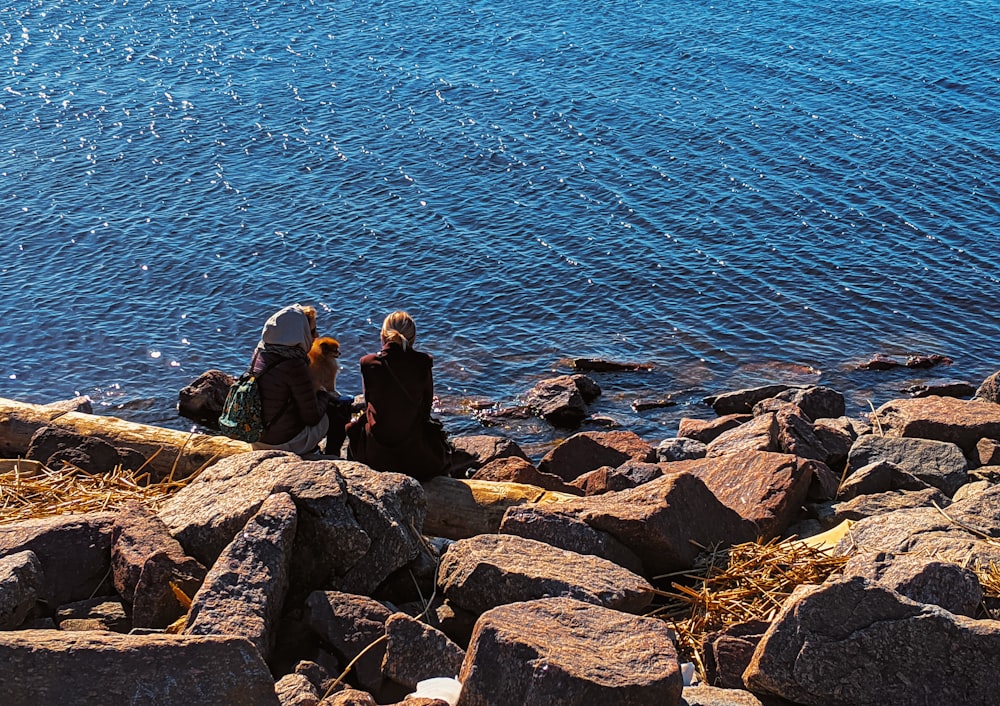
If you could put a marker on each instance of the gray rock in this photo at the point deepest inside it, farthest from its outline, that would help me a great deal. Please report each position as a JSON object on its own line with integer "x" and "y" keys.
{"x": 959, "y": 422}
{"x": 356, "y": 526}
{"x": 831, "y": 514}
{"x": 680, "y": 449}
{"x": 20, "y": 585}
{"x": 85, "y": 668}
{"x": 485, "y": 571}
{"x": 989, "y": 390}
{"x": 562, "y": 651}
{"x": 704, "y": 695}
{"x": 921, "y": 579}
{"x": 878, "y": 477}
{"x": 937, "y": 463}
{"x": 74, "y": 552}
{"x": 853, "y": 641}
{"x": 349, "y": 624}
{"x": 244, "y": 591}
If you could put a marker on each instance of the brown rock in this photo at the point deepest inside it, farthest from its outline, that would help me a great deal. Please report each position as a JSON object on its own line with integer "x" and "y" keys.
{"x": 83, "y": 668}
{"x": 588, "y": 450}
{"x": 727, "y": 653}
{"x": 485, "y": 571}
{"x": 519, "y": 470}
{"x": 852, "y": 641}
{"x": 759, "y": 434}
{"x": 567, "y": 532}
{"x": 74, "y": 552}
{"x": 767, "y": 489}
{"x": 416, "y": 651}
{"x": 664, "y": 521}
{"x": 608, "y": 480}
{"x": 561, "y": 401}
{"x": 349, "y": 697}
{"x": 145, "y": 560}
{"x": 475, "y": 451}
{"x": 703, "y": 695}
{"x": 102, "y": 613}
{"x": 244, "y": 591}
{"x": 296, "y": 690}
{"x": 742, "y": 401}
{"x": 562, "y": 651}
{"x": 707, "y": 430}
{"x": 989, "y": 391}
{"x": 959, "y": 422}
{"x": 987, "y": 452}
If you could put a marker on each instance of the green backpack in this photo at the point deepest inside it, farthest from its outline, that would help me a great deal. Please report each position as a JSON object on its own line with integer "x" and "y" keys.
{"x": 242, "y": 418}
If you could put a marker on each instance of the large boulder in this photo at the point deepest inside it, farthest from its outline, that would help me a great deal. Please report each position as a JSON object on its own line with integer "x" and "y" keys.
{"x": 74, "y": 552}
{"x": 485, "y": 571}
{"x": 937, "y": 463}
{"x": 547, "y": 524}
{"x": 765, "y": 488}
{"x": 852, "y": 641}
{"x": 664, "y": 521}
{"x": 588, "y": 450}
{"x": 356, "y": 526}
{"x": 563, "y": 651}
{"x": 244, "y": 592}
{"x": 90, "y": 667}
{"x": 959, "y": 422}
{"x": 145, "y": 561}
{"x": 831, "y": 514}
{"x": 759, "y": 434}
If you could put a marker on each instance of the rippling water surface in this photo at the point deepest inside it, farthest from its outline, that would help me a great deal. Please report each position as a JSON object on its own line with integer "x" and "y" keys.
{"x": 737, "y": 193}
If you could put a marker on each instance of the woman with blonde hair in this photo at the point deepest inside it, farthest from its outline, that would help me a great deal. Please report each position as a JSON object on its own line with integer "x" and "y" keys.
{"x": 396, "y": 432}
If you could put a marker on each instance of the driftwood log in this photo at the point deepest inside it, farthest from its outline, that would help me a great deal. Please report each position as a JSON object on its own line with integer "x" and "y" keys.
{"x": 455, "y": 508}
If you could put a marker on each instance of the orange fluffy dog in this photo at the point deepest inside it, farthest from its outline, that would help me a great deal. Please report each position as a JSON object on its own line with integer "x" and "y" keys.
{"x": 323, "y": 364}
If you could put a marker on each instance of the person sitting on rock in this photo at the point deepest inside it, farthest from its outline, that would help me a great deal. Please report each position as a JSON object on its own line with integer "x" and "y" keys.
{"x": 396, "y": 432}
{"x": 297, "y": 416}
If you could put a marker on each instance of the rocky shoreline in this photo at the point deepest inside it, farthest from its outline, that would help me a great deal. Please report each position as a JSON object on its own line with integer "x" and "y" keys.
{"x": 273, "y": 579}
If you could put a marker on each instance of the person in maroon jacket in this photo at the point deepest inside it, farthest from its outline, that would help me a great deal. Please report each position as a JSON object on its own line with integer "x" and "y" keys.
{"x": 396, "y": 432}
{"x": 296, "y": 414}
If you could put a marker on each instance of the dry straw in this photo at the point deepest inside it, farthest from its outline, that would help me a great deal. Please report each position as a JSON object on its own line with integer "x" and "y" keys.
{"x": 744, "y": 582}
{"x": 30, "y": 490}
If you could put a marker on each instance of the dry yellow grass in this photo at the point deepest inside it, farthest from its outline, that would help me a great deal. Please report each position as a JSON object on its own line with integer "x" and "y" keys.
{"x": 745, "y": 582}
{"x": 30, "y": 490}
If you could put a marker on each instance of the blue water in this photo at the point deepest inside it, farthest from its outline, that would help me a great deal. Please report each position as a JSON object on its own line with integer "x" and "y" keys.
{"x": 738, "y": 193}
